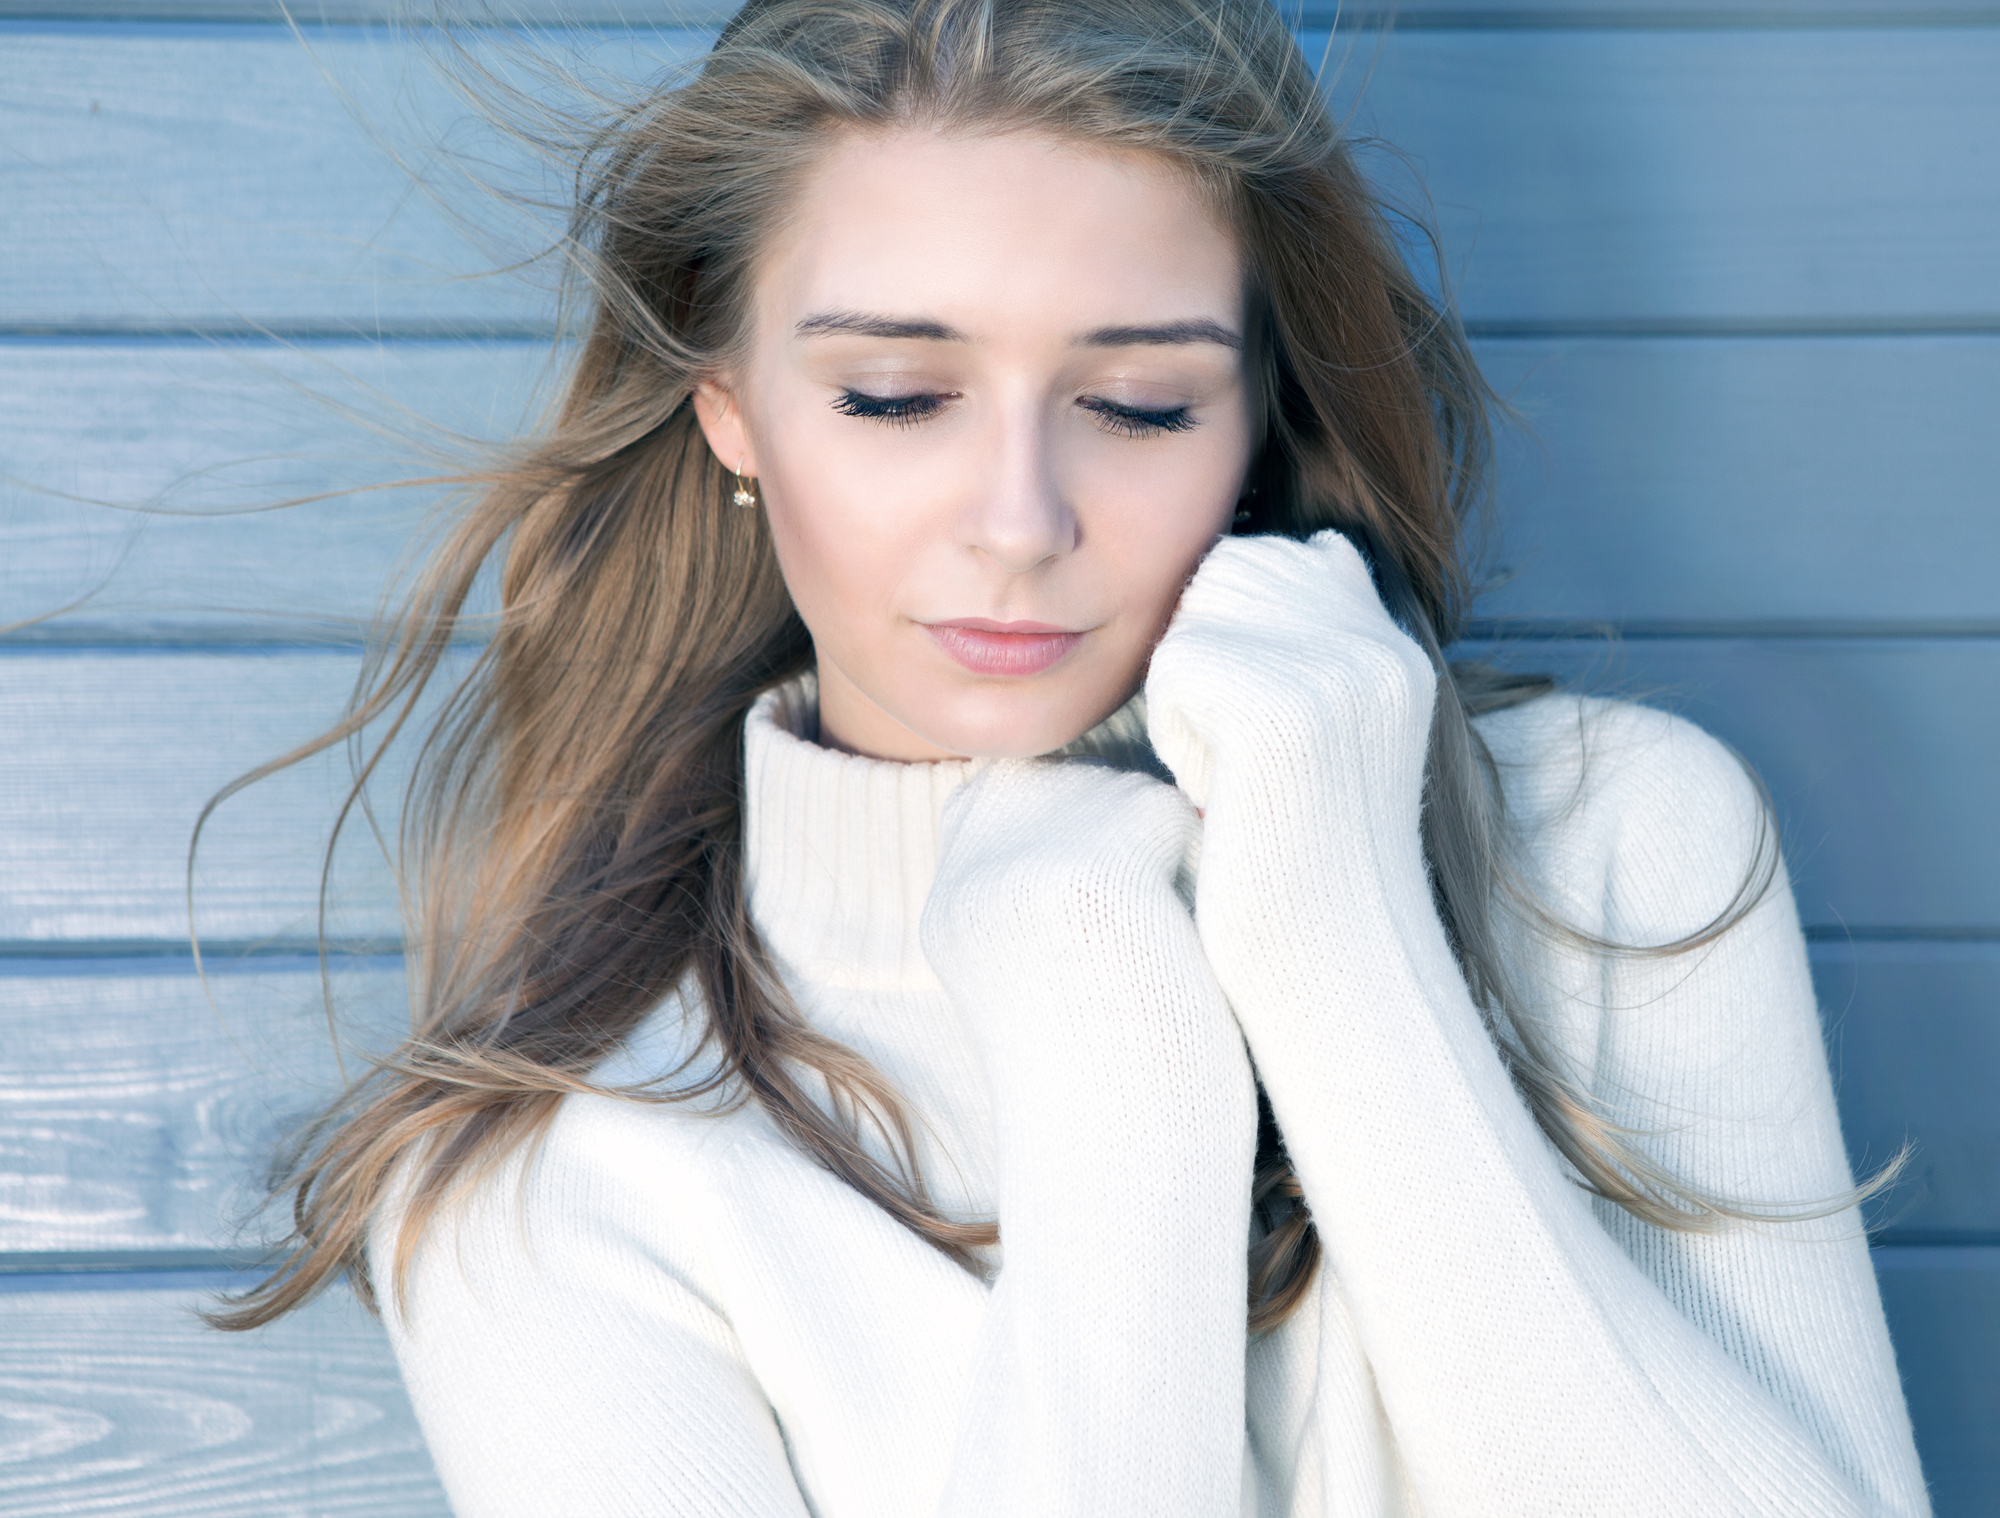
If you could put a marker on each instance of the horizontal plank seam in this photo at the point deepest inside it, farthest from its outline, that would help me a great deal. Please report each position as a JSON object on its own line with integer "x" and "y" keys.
{"x": 1847, "y": 933}
{"x": 262, "y": 639}
{"x": 1841, "y": 933}
{"x": 128, "y": 1261}
{"x": 1657, "y": 19}
{"x": 343, "y": 636}
{"x": 217, "y": 954}
{"x": 123, "y": 1262}
{"x": 1934, "y": 1238}
{"x": 1957, "y": 324}
{"x": 205, "y": 331}
{"x": 29, "y": 955}
{"x": 266, "y": 638}
{"x": 1649, "y": 630}
{"x": 114, "y": 1270}
{"x": 202, "y": 329}
{"x": 163, "y": 1281}
{"x": 617, "y": 17}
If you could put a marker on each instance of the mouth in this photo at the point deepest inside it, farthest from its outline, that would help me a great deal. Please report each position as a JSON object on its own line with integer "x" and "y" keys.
{"x": 1003, "y": 648}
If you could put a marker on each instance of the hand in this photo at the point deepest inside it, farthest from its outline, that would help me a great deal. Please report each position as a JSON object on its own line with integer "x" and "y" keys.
{"x": 1276, "y": 642}
{"x": 1056, "y": 927}
{"x": 1294, "y": 711}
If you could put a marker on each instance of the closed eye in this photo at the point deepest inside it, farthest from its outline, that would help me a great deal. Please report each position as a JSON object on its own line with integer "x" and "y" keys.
{"x": 1136, "y": 421}
{"x": 896, "y": 410}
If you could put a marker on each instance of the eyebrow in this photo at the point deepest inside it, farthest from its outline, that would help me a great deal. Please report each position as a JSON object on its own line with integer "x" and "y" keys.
{"x": 924, "y": 329}
{"x": 862, "y": 324}
{"x": 1164, "y": 335}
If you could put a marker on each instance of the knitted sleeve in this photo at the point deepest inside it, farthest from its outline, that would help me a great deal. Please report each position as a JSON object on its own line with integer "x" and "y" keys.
{"x": 561, "y": 1346}
{"x": 1527, "y": 1363}
{"x": 569, "y": 1341}
{"x": 1715, "y": 1057}
{"x": 1110, "y": 1369}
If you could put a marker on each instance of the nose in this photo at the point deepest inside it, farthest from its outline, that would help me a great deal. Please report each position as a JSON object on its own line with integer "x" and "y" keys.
{"x": 1018, "y": 516}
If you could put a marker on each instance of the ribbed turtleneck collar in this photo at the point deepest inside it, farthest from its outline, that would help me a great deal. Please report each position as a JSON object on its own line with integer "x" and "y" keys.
{"x": 840, "y": 851}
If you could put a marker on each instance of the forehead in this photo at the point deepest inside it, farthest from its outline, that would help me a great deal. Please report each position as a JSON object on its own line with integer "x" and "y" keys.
{"x": 1000, "y": 233}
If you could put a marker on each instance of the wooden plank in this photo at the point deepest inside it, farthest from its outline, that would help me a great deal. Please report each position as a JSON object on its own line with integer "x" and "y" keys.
{"x": 135, "y": 472}
{"x": 136, "y": 1111}
{"x": 105, "y": 761}
{"x": 138, "y": 1108}
{"x": 1676, "y": 481}
{"x": 1662, "y": 481}
{"x": 1878, "y": 755}
{"x": 1913, "y": 1031}
{"x": 1685, "y": 179}
{"x": 235, "y": 177}
{"x": 1406, "y": 14}
{"x": 1788, "y": 177}
{"x": 387, "y": 12}
{"x": 122, "y": 1402}
{"x": 1944, "y": 1316}
{"x": 115, "y": 1400}
{"x": 1526, "y": 14}
{"x": 119, "y": 1402}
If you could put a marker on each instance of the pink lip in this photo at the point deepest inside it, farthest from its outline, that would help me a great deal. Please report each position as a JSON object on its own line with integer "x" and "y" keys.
{"x": 1002, "y": 648}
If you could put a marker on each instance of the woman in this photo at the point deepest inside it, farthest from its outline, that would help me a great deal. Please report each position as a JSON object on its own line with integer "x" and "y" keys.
{"x": 968, "y": 740}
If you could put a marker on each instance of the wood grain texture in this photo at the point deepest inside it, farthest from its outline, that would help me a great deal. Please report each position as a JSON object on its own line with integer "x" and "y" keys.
{"x": 136, "y": 471}
{"x": 117, "y": 1402}
{"x": 107, "y": 758}
{"x": 239, "y": 177}
{"x": 120, "y": 1402}
{"x": 136, "y": 1113}
{"x": 1405, "y": 14}
{"x": 1661, "y": 179}
{"x": 675, "y": 13}
{"x": 1666, "y": 13}
{"x": 138, "y": 1108}
{"x": 1878, "y": 754}
{"x": 212, "y": 175}
{"x": 1657, "y": 480}
{"x": 1944, "y": 1316}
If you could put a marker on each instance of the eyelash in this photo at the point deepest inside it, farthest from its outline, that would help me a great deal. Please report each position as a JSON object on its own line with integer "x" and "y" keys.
{"x": 909, "y": 410}
{"x": 1131, "y": 421}
{"x": 896, "y": 410}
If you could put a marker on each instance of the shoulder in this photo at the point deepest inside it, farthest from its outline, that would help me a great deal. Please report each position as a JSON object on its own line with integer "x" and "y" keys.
{"x": 1564, "y": 751}
{"x": 619, "y": 1174}
{"x": 1628, "y": 811}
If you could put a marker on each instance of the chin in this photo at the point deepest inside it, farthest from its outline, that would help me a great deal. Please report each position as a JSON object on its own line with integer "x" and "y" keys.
{"x": 1018, "y": 723}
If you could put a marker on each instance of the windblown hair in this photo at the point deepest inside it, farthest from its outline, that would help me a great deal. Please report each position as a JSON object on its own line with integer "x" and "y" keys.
{"x": 572, "y": 845}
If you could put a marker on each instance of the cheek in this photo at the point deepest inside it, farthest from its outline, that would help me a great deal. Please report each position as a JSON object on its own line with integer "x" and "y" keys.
{"x": 833, "y": 565}
{"x": 1159, "y": 513}
{"x": 842, "y": 529}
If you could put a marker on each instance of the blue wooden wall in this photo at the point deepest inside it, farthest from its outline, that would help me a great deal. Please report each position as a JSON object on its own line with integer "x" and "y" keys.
{"x": 1736, "y": 266}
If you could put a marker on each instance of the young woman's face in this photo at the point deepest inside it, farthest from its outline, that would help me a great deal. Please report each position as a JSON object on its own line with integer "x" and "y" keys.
{"x": 996, "y": 407}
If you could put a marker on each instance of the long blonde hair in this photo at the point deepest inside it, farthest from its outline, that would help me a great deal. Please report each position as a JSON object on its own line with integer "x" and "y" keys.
{"x": 572, "y": 843}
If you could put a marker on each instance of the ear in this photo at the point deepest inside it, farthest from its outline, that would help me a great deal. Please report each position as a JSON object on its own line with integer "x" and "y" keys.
{"x": 722, "y": 424}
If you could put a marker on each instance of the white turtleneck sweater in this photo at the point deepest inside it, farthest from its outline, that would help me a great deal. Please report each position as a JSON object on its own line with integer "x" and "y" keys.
{"x": 667, "y": 1309}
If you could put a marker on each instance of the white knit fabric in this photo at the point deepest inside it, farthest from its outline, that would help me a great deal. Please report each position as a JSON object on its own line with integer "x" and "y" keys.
{"x": 666, "y": 1310}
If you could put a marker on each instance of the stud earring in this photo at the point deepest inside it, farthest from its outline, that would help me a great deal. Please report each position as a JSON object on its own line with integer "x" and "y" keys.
{"x": 1242, "y": 515}
{"x": 745, "y": 496}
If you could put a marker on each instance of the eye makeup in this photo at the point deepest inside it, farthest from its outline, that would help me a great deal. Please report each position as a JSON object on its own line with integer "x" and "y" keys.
{"x": 896, "y": 410}
{"x": 1137, "y": 421}
{"x": 1111, "y": 416}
